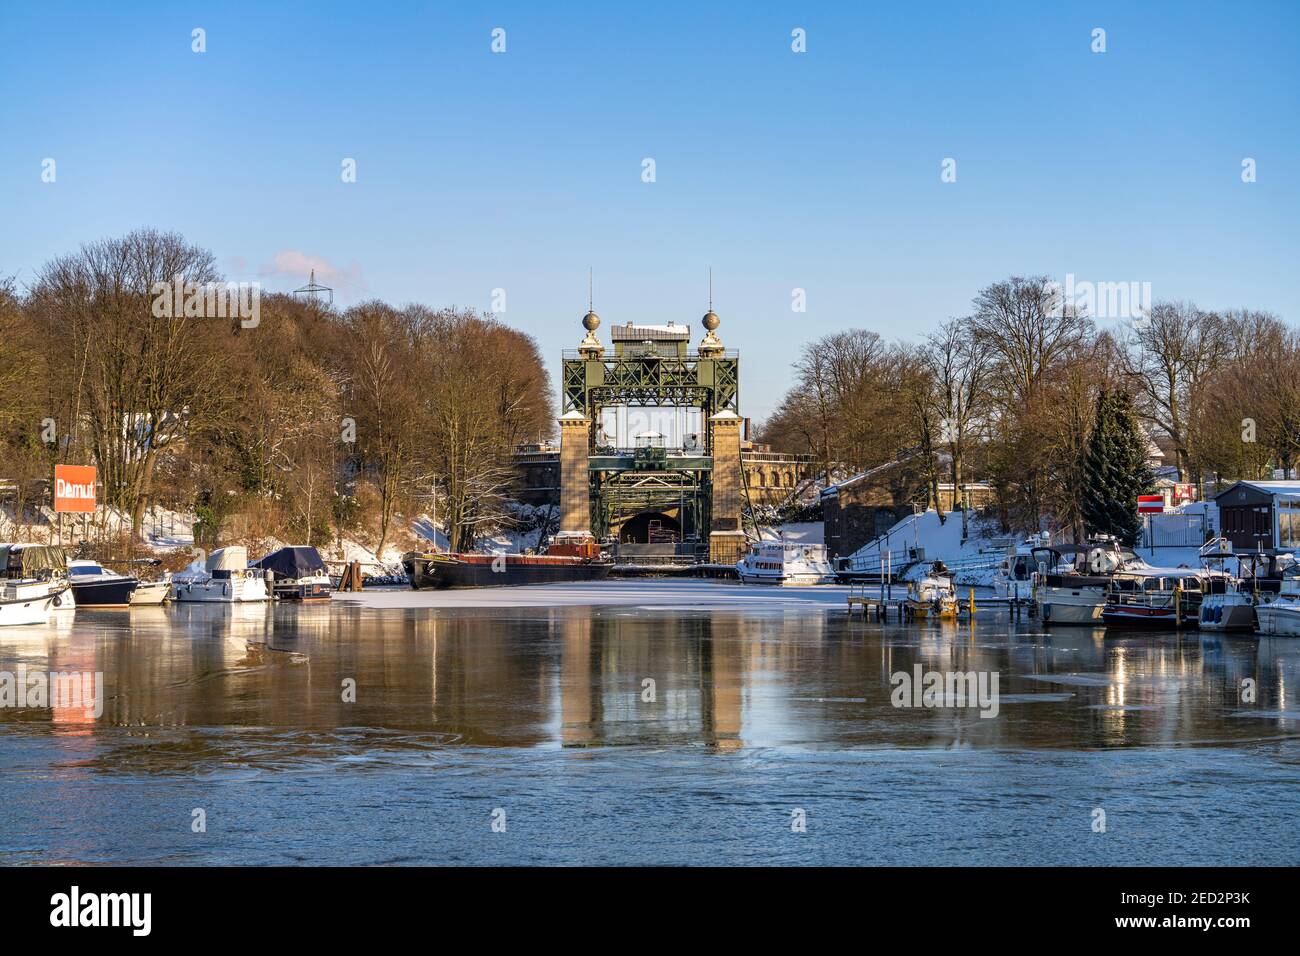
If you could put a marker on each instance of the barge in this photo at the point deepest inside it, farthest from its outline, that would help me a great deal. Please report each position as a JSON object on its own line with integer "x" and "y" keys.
{"x": 463, "y": 570}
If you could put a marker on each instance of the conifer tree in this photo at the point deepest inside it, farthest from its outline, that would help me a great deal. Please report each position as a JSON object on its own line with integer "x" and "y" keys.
{"x": 1115, "y": 469}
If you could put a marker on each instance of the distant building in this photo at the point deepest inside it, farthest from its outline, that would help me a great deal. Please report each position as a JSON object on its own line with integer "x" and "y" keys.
{"x": 860, "y": 509}
{"x": 1260, "y": 514}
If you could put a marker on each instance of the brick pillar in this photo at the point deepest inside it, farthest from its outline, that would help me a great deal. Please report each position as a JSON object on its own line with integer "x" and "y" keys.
{"x": 575, "y": 493}
{"x": 727, "y": 541}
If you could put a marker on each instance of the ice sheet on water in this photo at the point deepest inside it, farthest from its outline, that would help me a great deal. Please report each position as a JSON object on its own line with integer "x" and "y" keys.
{"x": 1077, "y": 680}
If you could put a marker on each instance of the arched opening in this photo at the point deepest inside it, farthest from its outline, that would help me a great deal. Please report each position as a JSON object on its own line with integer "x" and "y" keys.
{"x": 650, "y": 527}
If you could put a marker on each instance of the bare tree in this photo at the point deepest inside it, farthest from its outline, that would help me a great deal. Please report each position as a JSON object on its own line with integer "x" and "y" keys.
{"x": 140, "y": 377}
{"x": 959, "y": 362}
{"x": 1168, "y": 355}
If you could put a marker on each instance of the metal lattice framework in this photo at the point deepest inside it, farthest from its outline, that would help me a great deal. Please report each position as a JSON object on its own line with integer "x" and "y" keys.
{"x": 618, "y": 489}
{"x": 709, "y": 383}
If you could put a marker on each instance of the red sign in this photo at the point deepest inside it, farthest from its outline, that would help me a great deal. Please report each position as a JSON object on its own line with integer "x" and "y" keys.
{"x": 74, "y": 488}
{"x": 1151, "y": 504}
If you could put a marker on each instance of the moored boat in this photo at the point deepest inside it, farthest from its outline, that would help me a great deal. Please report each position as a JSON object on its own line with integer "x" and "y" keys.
{"x": 1014, "y": 578}
{"x": 1155, "y": 597}
{"x": 21, "y": 605}
{"x": 1281, "y": 616}
{"x": 1071, "y": 581}
{"x": 39, "y": 568}
{"x": 297, "y": 573}
{"x": 223, "y": 578}
{"x": 469, "y": 570}
{"x": 95, "y": 586}
{"x": 152, "y": 593}
{"x": 1233, "y": 606}
{"x": 786, "y": 563}
{"x": 933, "y": 595}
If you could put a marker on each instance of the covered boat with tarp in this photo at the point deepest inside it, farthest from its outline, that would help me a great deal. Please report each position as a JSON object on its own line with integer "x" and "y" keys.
{"x": 299, "y": 573}
{"x": 37, "y": 569}
{"x": 32, "y": 561}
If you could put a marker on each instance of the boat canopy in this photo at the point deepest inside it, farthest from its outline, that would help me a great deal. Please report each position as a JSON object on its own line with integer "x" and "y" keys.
{"x": 27, "y": 560}
{"x": 233, "y": 558}
{"x": 292, "y": 562}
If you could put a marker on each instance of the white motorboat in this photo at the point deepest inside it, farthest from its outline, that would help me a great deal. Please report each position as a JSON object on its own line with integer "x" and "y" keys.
{"x": 224, "y": 578}
{"x": 1281, "y": 616}
{"x": 152, "y": 593}
{"x": 25, "y": 602}
{"x": 1070, "y": 580}
{"x": 1014, "y": 578}
{"x": 1231, "y": 607}
{"x": 785, "y": 562}
{"x": 38, "y": 568}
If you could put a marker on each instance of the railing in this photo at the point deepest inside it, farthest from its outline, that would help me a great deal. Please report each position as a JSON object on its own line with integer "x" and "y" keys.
{"x": 984, "y": 561}
{"x": 775, "y": 457}
{"x": 878, "y": 564}
{"x": 690, "y": 356}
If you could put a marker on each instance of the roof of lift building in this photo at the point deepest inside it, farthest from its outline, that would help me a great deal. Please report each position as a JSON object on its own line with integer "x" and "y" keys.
{"x": 649, "y": 333}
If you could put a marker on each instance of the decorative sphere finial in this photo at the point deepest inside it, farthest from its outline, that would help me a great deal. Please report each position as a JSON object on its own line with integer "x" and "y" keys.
{"x": 591, "y": 321}
{"x": 710, "y": 320}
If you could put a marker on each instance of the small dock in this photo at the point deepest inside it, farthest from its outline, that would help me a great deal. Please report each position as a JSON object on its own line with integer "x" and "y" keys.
{"x": 879, "y": 602}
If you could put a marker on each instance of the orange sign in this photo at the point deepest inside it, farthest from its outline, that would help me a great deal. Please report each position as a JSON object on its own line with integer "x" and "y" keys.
{"x": 74, "y": 488}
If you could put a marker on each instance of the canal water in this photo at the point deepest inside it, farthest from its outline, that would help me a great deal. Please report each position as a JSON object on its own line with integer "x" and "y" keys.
{"x": 642, "y": 735}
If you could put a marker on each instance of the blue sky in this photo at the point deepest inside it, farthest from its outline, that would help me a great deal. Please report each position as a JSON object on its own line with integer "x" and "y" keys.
{"x": 819, "y": 170}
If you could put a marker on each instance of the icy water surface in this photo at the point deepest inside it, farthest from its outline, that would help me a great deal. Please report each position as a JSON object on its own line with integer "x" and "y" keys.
{"x": 537, "y": 717}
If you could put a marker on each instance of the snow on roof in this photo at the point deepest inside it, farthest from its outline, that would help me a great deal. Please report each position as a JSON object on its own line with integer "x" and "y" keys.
{"x": 834, "y": 489}
{"x": 640, "y": 333}
{"x": 1283, "y": 488}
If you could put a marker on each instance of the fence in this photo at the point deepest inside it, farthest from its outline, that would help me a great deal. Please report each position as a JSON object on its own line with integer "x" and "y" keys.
{"x": 1174, "y": 531}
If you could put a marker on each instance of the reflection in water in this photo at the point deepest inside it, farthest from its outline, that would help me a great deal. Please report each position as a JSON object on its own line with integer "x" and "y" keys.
{"x": 258, "y": 693}
{"x": 578, "y": 677}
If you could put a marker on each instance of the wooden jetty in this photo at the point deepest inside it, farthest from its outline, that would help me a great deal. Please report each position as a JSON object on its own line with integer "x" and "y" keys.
{"x": 878, "y": 601}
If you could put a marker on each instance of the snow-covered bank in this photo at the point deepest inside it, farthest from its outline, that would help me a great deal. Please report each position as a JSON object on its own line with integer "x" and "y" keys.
{"x": 685, "y": 595}
{"x": 974, "y": 559}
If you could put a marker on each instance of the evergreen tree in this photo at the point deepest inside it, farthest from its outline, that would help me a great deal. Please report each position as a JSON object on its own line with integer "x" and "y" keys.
{"x": 1115, "y": 470}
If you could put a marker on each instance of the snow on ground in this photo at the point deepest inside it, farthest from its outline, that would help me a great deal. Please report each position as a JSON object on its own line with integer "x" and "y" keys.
{"x": 974, "y": 561}
{"x": 424, "y": 529}
{"x": 163, "y": 530}
{"x": 658, "y": 593}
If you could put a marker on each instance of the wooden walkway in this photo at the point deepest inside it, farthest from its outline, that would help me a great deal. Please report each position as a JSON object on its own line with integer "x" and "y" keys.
{"x": 879, "y": 602}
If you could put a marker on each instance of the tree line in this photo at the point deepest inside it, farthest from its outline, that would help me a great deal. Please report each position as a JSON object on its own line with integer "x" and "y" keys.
{"x": 307, "y": 425}
{"x": 1010, "y": 394}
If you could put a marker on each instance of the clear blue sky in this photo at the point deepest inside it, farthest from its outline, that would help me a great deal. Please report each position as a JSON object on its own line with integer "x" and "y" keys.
{"x": 780, "y": 170}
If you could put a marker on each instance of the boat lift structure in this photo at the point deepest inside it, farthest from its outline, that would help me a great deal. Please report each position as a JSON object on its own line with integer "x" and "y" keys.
{"x": 604, "y": 487}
